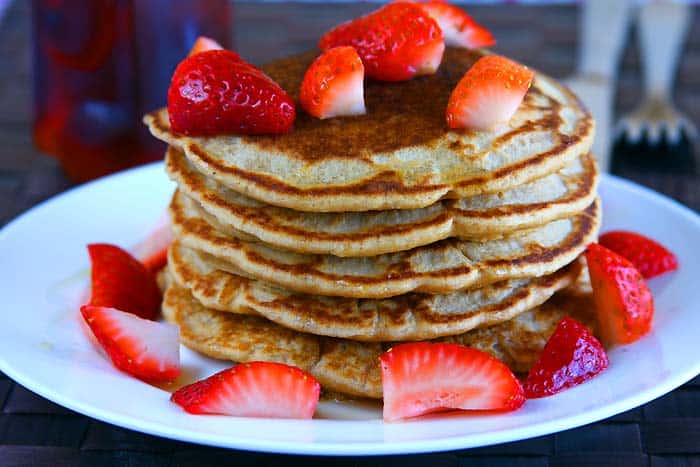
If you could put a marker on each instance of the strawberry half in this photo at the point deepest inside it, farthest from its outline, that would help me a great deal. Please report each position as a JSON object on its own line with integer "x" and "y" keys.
{"x": 120, "y": 281}
{"x": 153, "y": 251}
{"x": 257, "y": 389}
{"x": 422, "y": 377}
{"x": 333, "y": 84}
{"x": 571, "y": 356}
{"x": 459, "y": 29}
{"x": 489, "y": 94}
{"x": 624, "y": 304}
{"x": 216, "y": 92}
{"x": 145, "y": 349}
{"x": 648, "y": 256}
{"x": 396, "y": 42}
{"x": 202, "y": 44}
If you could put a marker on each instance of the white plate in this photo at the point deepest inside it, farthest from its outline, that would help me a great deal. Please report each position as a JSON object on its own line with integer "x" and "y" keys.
{"x": 44, "y": 269}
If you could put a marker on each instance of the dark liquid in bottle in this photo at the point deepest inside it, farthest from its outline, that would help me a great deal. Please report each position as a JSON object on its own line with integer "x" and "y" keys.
{"x": 99, "y": 65}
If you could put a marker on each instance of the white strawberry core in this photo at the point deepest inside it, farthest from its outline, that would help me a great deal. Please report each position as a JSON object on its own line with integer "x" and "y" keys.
{"x": 495, "y": 107}
{"x": 346, "y": 97}
{"x": 145, "y": 340}
{"x": 432, "y": 57}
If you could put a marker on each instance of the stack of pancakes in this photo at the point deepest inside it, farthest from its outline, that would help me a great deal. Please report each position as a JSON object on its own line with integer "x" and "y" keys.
{"x": 322, "y": 247}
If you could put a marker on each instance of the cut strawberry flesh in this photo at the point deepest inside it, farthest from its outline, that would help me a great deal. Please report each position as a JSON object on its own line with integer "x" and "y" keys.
{"x": 458, "y": 28}
{"x": 489, "y": 94}
{"x": 624, "y": 303}
{"x": 145, "y": 349}
{"x": 571, "y": 356}
{"x": 421, "y": 378}
{"x": 333, "y": 84}
{"x": 202, "y": 44}
{"x": 256, "y": 389}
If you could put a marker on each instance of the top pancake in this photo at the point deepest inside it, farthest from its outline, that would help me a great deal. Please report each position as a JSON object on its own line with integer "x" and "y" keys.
{"x": 400, "y": 155}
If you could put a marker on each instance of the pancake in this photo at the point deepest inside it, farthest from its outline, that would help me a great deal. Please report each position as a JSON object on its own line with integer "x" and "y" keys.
{"x": 347, "y": 366}
{"x": 353, "y": 234}
{"x": 406, "y": 317}
{"x": 400, "y": 155}
{"x": 441, "y": 267}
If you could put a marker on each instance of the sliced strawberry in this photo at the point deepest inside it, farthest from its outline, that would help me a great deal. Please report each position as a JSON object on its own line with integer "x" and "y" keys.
{"x": 202, "y": 44}
{"x": 459, "y": 29}
{"x": 396, "y": 42}
{"x": 153, "y": 251}
{"x": 624, "y": 304}
{"x": 257, "y": 389}
{"x": 333, "y": 84}
{"x": 145, "y": 349}
{"x": 120, "y": 281}
{"x": 648, "y": 256}
{"x": 421, "y": 377}
{"x": 216, "y": 92}
{"x": 489, "y": 94}
{"x": 571, "y": 356}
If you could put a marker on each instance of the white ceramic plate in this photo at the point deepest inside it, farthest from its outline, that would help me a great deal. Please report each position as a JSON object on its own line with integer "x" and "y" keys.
{"x": 44, "y": 270}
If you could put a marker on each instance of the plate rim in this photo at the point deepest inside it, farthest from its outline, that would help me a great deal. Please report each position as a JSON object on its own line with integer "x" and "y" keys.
{"x": 350, "y": 448}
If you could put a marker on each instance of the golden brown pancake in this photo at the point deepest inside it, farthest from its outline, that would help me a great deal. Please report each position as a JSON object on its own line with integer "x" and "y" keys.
{"x": 406, "y": 317}
{"x": 347, "y": 366}
{"x": 441, "y": 267}
{"x": 355, "y": 234}
{"x": 400, "y": 155}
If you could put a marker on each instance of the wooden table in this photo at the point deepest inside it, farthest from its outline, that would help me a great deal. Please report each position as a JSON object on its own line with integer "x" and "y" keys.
{"x": 34, "y": 431}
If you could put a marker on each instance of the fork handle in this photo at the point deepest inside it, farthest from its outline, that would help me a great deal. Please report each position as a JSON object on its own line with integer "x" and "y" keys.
{"x": 662, "y": 30}
{"x": 603, "y": 28}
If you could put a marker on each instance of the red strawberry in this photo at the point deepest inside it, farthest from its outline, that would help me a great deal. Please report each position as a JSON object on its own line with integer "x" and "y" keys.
{"x": 459, "y": 29}
{"x": 396, "y": 42}
{"x": 333, "y": 84}
{"x": 423, "y": 377}
{"x": 145, "y": 349}
{"x": 156, "y": 261}
{"x": 648, "y": 256}
{"x": 624, "y": 304}
{"x": 257, "y": 389}
{"x": 571, "y": 356}
{"x": 153, "y": 251}
{"x": 489, "y": 94}
{"x": 215, "y": 92}
{"x": 202, "y": 44}
{"x": 122, "y": 282}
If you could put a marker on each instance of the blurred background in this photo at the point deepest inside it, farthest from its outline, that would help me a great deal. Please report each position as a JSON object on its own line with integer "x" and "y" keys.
{"x": 76, "y": 76}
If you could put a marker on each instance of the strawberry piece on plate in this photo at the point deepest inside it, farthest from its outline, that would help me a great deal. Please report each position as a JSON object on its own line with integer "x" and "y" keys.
{"x": 489, "y": 94}
{"x": 146, "y": 349}
{"x": 459, "y": 29}
{"x": 624, "y": 304}
{"x": 256, "y": 389}
{"x": 648, "y": 256}
{"x": 121, "y": 281}
{"x": 203, "y": 43}
{"x": 333, "y": 84}
{"x": 216, "y": 92}
{"x": 422, "y": 377}
{"x": 396, "y": 42}
{"x": 153, "y": 251}
{"x": 571, "y": 356}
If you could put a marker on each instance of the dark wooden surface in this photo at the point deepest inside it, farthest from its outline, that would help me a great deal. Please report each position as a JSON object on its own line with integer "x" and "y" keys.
{"x": 34, "y": 431}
